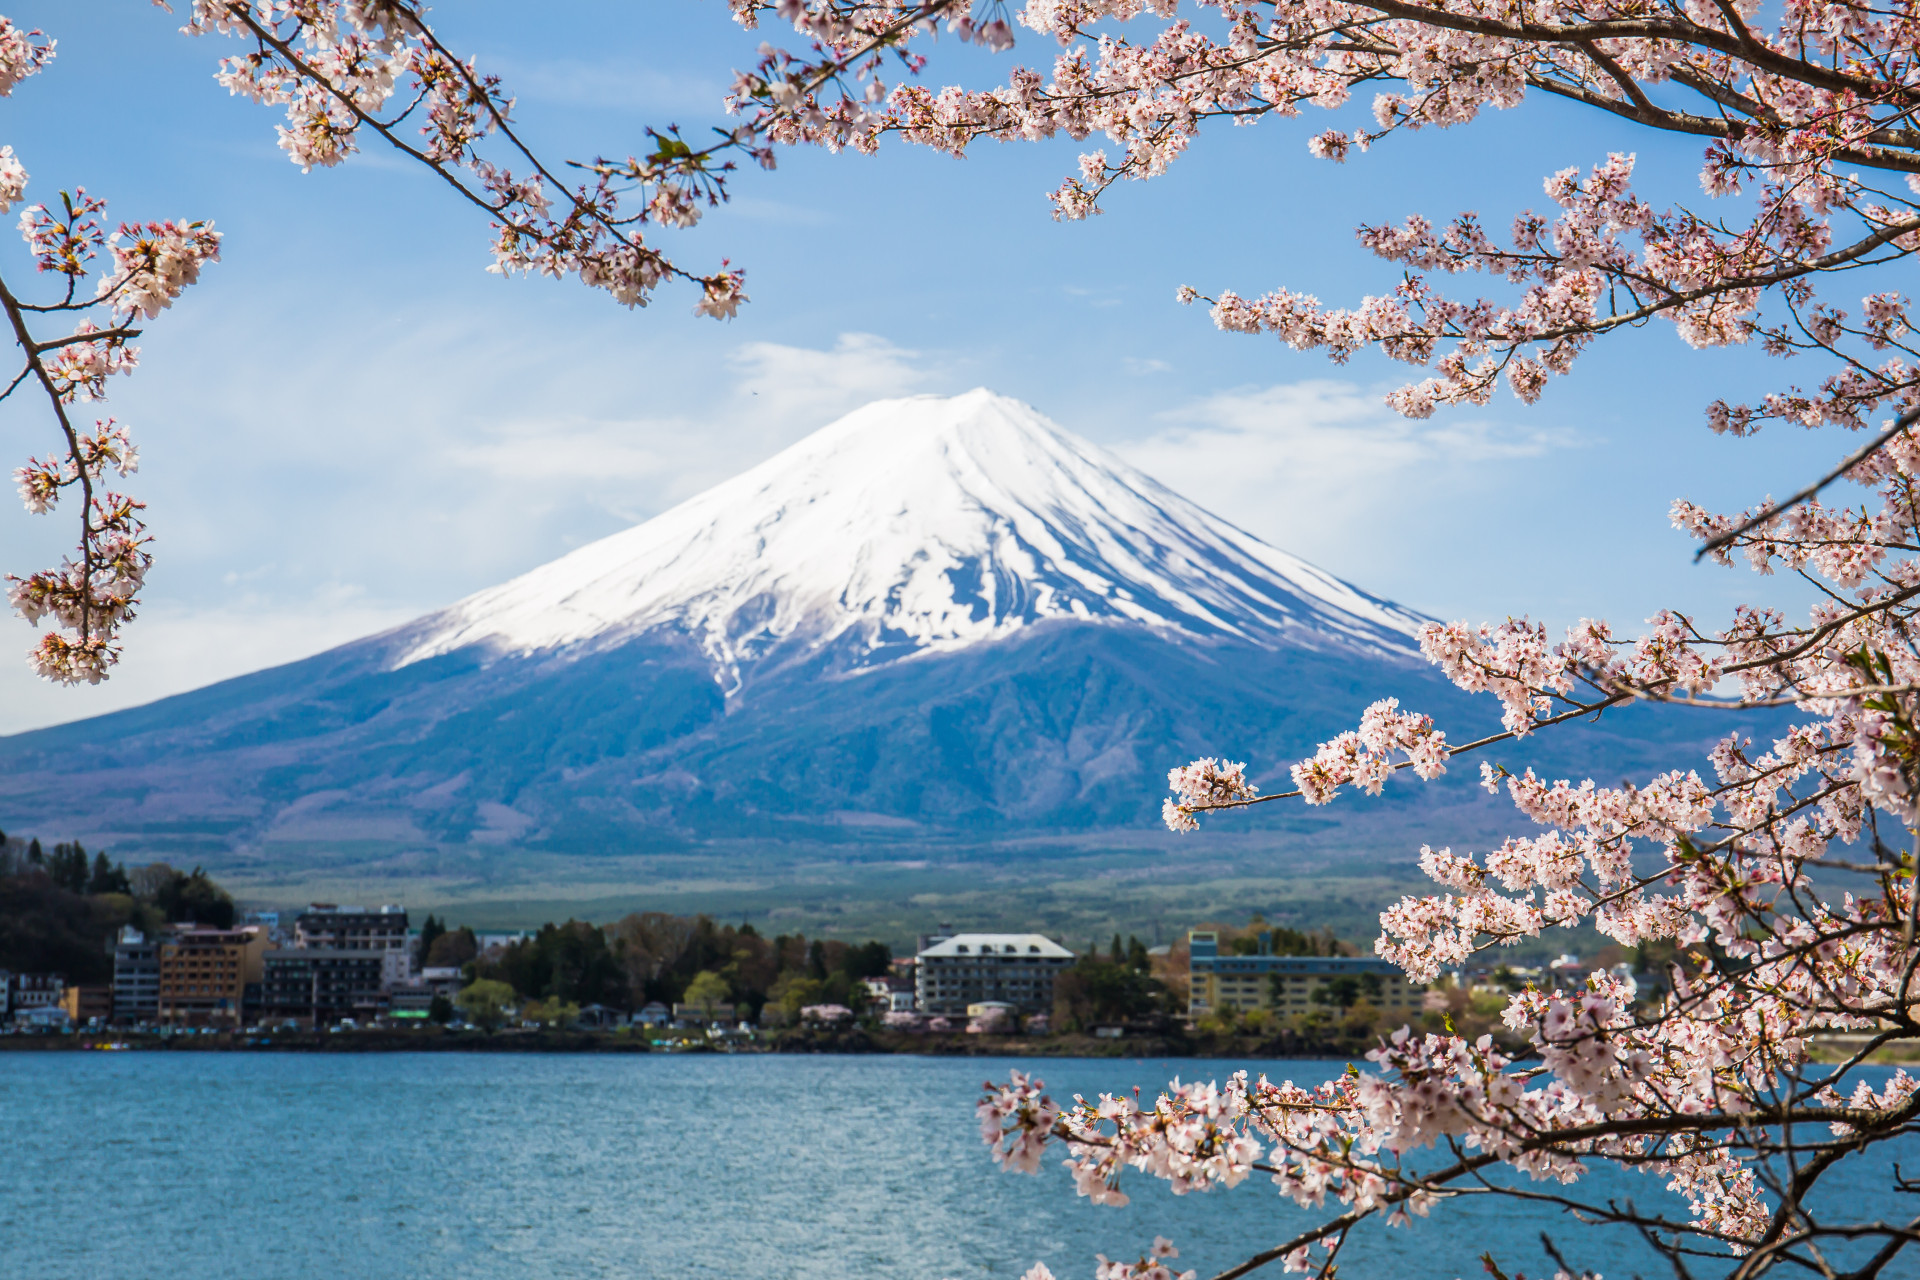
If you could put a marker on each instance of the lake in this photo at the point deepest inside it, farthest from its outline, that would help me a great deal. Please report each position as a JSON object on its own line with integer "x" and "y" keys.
{"x": 529, "y": 1167}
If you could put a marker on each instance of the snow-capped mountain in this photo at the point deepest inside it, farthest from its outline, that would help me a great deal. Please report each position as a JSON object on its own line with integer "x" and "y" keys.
{"x": 918, "y": 526}
{"x": 935, "y": 622}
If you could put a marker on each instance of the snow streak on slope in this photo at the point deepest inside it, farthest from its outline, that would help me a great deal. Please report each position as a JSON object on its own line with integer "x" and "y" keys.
{"x": 914, "y": 526}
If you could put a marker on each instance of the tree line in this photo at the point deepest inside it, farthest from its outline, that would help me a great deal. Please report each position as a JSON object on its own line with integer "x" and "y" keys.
{"x": 653, "y": 956}
{"x": 60, "y": 909}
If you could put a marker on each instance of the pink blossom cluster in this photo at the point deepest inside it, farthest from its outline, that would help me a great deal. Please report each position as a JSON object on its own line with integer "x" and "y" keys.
{"x": 1152, "y": 1265}
{"x": 1784, "y": 132}
{"x": 1016, "y": 1120}
{"x": 22, "y": 53}
{"x": 828, "y": 1014}
{"x": 89, "y": 596}
{"x": 1204, "y": 784}
{"x": 153, "y": 263}
{"x": 1364, "y": 758}
{"x": 345, "y": 68}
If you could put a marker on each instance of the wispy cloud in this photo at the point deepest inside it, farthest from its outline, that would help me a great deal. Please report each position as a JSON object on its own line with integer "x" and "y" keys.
{"x": 635, "y": 466}
{"x": 1324, "y": 469}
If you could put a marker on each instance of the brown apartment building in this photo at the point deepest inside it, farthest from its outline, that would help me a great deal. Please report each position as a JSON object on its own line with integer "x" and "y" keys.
{"x": 204, "y": 974}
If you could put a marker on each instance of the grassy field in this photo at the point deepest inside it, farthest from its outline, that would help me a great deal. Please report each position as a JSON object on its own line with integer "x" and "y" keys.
{"x": 1077, "y": 896}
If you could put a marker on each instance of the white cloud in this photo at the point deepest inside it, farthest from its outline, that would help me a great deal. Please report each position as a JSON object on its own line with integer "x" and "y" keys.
{"x": 801, "y": 385}
{"x": 1324, "y": 469}
{"x": 637, "y": 467}
{"x": 171, "y": 649}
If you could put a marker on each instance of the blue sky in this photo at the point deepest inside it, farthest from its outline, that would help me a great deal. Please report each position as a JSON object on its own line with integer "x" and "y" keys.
{"x": 348, "y": 422}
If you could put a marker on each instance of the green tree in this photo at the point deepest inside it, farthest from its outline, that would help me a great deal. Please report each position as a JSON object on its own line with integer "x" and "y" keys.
{"x": 106, "y": 877}
{"x": 551, "y": 1013}
{"x": 452, "y": 949}
{"x": 68, "y": 867}
{"x": 707, "y": 992}
{"x": 794, "y": 991}
{"x": 195, "y": 899}
{"x": 1096, "y": 990}
{"x": 430, "y": 929}
{"x": 868, "y": 960}
{"x": 440, "y": 1011}
{"x": 486, "y": 1003}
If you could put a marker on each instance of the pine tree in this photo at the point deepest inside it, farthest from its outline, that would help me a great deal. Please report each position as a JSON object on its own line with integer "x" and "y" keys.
{"x": 429, "y": 930}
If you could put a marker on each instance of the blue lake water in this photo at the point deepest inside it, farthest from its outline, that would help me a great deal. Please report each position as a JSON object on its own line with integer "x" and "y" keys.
{"x": 525, "y": 1167}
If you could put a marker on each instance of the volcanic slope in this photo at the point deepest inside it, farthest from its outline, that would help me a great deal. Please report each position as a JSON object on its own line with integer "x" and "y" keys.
{"x": 936, "y": 621}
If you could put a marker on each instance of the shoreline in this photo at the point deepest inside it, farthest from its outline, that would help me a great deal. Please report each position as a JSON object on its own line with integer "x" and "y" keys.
{"x": 856, "y": 1042}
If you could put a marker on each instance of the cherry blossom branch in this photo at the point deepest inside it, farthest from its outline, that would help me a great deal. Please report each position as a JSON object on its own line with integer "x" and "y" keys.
{"x": 1853, "y": 460}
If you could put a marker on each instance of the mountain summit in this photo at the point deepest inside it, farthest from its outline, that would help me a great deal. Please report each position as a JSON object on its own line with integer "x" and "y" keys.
{"x": 917, "y": 526}
{"x": 939, "y": 621}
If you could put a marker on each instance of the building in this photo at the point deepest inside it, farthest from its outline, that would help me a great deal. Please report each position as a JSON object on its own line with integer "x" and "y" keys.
{"x": 321, "y": 985}
{"x": 968, "y": 968}
{"x": 136, "y": 977}
{"x": 204, "y": 974}
{"x": 890, "y": 994}
{"x": 410, "y": 1002}
{"x": 699, "y": 1015}
{"x": 326, "y": 927}
{"x": 1286, "y": 984}
{"x": 600, "y": 1017}
{"x": 89, "y": 1004}
{"x": 29, "y": 991}
{"x": 44, "y": 1017}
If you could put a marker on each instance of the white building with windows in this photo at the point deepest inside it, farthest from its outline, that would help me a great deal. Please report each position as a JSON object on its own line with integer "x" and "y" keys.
{"x": 969, "y": 968}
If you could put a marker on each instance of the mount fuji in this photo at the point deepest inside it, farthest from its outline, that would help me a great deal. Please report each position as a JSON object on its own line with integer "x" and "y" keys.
{"x": 937, "y": 621}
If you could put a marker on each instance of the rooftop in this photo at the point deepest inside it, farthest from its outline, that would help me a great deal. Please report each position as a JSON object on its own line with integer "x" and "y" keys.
{"x": 1023, "y": 944}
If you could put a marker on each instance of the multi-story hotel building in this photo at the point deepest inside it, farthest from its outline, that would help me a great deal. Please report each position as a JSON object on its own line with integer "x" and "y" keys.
{"x": 136, "y": 977}
{"x": 204, "y": 974}
{"x": 321, "y": 985}
{"x": 974, "y": 968}
{"x": 324, "y": 926}
{"x": 1286, "y": 984}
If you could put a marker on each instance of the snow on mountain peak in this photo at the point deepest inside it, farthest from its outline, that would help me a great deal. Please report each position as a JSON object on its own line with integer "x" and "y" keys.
{"x": 918, "y": 525}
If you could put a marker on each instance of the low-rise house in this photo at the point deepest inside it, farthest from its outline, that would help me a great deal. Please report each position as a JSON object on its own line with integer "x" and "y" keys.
{"x": 700, "y": 1015}
{"x": 1288, "y": 984}
{"x": 891, "y": 994}
{"x": 88, "y": 1004}
{"x": 445, "y": 981}
{"x": 29, "y": 991}
{"x": 136, "y": 977}
{"x": 1015, "y": 968}
{"x": 654, "y": 1014}
{"x": 43, "y": 1017}
{"x": 410, "y": 1002}
{"x": 598, "y": 1017}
